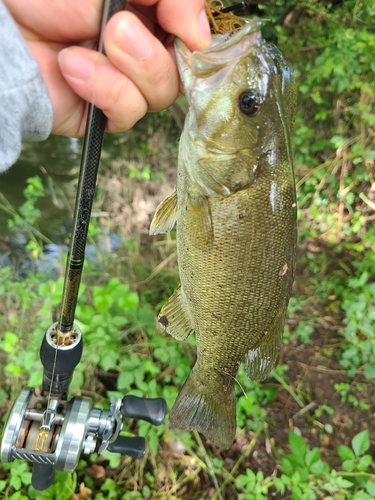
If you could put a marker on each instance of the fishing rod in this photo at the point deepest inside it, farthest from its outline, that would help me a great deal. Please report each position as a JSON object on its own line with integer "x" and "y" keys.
{"x": 243, "y": 8}
{"x": 44, "y": 427}
{"x": 237, "y": 8}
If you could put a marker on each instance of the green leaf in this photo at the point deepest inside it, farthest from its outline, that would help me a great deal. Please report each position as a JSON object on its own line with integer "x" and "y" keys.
{"x": 296, "y": 478}
{"x": 338, "y": 141}
{"x": 364, "y": 462}
{"x": 15, "y": 482}
{"x": 298, "y": 461}
{"x": 369, "y": 370}
{"x": 297, "y": 445}
{"x": 153, "y": 442}
{"x": 361, "y": 443}
{"x": 247, "y": 480}
{"x": 26, "y": 477}
{"x": 287, "y": 466}
{"x": 296, "y": 492}
{"x": 125, "y": 380}
{"x": 312, "y": 456}
{"x": 349, "y": 353}
{"x": 362, "y": 495}
{"x": 130, "y": 301}
{"x": 114, "y": 459}
{"x": 103, "y": 303}
{"x": 370, "y": 488}
{"x": 35, "y": 378}
{"x": 348, "y": 465}
{"x": 18, "y": 496}
{"x": 319, "y": 468}
{"x": 345, "y": 453}
{"x": 344, "y": 483}
{"x": 10, "y": 341}
{"x": 108, "y": 360}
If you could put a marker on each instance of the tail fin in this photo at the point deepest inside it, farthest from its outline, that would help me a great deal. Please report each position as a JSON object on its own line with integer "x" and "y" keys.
{"x": 208, "y": 406}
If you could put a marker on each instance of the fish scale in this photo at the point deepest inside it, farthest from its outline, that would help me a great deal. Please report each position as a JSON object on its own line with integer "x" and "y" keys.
{"x": 235, "y": 210}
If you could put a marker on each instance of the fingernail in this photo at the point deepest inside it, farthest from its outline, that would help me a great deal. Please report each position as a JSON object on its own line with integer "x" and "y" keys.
{"x": 134, "y": 39}
{"x": 204, "y": 29}
{"x": 74, "y": 64}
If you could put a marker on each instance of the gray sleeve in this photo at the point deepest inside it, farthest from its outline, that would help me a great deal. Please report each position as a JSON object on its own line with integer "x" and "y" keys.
{"x": 25, "y": 107}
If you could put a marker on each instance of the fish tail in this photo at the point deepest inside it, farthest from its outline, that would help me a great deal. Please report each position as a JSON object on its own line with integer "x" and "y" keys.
{"x": 208, "y": 405}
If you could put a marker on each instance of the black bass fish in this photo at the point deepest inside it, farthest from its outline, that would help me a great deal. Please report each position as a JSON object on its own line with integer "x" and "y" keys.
{"x": 235, "y": 208}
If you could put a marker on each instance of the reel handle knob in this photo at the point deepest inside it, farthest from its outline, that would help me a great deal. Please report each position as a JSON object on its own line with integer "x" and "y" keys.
{"x": 133, "y": 446}
{"x": 149, "y": 410}
{"x": 42, "y": 476}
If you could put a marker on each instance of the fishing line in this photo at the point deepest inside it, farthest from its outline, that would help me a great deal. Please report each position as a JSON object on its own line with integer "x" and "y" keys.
{"x": 225, "y": 372}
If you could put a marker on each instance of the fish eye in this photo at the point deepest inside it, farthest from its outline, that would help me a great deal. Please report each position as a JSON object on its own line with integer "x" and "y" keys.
{"x": 248, "y": 103}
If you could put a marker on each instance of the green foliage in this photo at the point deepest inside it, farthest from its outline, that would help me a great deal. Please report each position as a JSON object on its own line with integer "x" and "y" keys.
{"x": 306, "y": 475}
{"x": 332, "y": 50}
{"x": 27, "y": 211}
{"x": 359, "y": 307}
{"x": 27, "y": 215}
{"x": 62, "y": 488}
{"x": 20, "y": 475}
{"x": 255, "y": 486}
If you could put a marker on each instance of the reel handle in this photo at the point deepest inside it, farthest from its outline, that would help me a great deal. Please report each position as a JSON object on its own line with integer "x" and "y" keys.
{"x": 132, "y": 446}
{"x": 149, "y": 410}
{"x": 42, "y": 476}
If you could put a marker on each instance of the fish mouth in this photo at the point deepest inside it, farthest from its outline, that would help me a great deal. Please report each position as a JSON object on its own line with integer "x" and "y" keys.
{"x": 226, "y": 50}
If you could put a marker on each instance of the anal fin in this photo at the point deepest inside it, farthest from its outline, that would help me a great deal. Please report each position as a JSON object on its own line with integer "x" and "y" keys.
{"x": 165, "y": 215}
{"x": 261, "y": 358}
{"x": 174, "y": 317}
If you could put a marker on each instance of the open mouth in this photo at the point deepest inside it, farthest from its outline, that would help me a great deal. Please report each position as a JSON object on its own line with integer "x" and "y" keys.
{"x": 227, "y": 49}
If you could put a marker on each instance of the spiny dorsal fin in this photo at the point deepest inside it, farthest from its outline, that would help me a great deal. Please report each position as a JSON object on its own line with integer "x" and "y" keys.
{"x": 165, "y": 215}
{"x": 174, "y": 316}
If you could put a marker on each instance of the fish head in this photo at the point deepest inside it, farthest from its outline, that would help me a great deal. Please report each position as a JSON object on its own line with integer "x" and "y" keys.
{"x": 240, "y": 93}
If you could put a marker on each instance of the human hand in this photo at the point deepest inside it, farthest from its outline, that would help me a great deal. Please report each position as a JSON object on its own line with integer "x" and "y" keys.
{"x": 137, "y": 75}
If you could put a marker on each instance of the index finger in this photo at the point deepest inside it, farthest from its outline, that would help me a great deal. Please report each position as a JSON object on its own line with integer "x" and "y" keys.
{"x": 185, "y": 19}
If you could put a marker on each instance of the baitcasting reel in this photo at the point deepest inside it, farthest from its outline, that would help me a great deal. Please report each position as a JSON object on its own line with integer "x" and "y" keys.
{"x": 51, "y": 432}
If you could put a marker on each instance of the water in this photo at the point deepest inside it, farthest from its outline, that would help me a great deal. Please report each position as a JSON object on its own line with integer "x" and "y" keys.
{"x": 150, "y": 143}
{"x": 56, "y": 161}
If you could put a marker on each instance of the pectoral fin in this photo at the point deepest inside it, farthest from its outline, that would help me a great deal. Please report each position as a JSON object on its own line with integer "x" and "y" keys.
{"x": 261, "y": 358}
{"x": 174, "y": 317}
{"x": 165, "y": 215}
